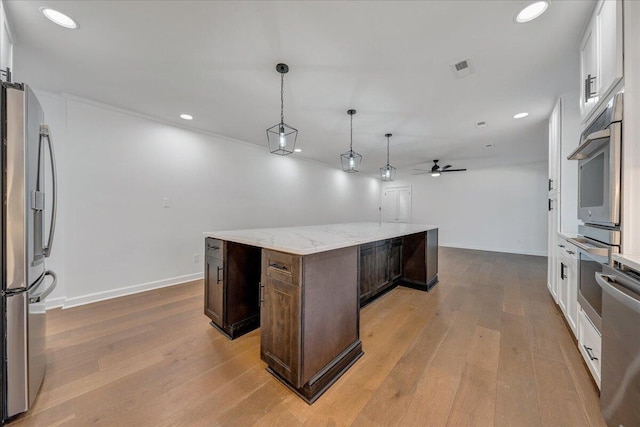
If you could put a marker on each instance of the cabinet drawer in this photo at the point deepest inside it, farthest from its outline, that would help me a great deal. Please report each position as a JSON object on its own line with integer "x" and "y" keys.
{"x": 283, "y": 266}
{"x": 214, "y": 248}
{"x": 590, "y": 344}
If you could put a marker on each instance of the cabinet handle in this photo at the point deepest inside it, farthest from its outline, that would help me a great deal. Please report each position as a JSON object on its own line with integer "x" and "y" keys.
{"x": 562, "y": 267}
{"x": 550, "y": 184}
{"x": 561, "y": 246}
{"x": 215, "y": 248}
{"x": 261, "y": 294}
{"x": 588, "y": 94}
{"x": 550, "y": 208}
{"x": 218, "y": 274}
{"x": 278, "y": 266}
{"x": 589, "y": 350}
{"x": 571, "y": 252}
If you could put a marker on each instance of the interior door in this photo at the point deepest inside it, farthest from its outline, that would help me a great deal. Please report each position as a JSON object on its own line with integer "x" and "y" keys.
{"x": 397, "y": 204}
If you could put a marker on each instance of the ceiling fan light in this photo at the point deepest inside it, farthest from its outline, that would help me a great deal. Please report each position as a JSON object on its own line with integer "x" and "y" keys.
{"x": 434, "y": 174}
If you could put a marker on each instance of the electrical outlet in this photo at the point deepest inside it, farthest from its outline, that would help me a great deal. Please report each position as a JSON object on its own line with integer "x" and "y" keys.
{"x": 166, "y": 202}
{"x": 196, "y": 257}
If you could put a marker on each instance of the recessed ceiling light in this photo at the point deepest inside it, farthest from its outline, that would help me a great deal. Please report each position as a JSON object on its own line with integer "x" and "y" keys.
{"x": 298, "y": 150}
{"x": 59, "y": 18}
{"x": 520, "y": 115}
{"x": 532, "y": 11}
{"x": 481, "y": 124}
{"x": 186, "y": 117}
{"x": 489, "y": 146}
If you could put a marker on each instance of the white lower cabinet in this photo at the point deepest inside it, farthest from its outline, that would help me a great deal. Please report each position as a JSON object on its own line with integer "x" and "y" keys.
{"x": 589, "y": 343}
{"x": 567, "y": 279}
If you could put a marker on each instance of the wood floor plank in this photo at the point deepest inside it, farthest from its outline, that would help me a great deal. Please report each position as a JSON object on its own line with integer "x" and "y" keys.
{"x": 487, "y": 346}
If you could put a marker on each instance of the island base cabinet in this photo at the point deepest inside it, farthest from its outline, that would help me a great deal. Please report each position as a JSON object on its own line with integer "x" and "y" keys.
{"x": 420, "y": 260}
{"x": 231, "y": 282}
{"x": 310, "y": 318}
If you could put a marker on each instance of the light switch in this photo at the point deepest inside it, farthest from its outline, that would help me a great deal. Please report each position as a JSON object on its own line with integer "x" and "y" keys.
{"x": 166, "y": 202}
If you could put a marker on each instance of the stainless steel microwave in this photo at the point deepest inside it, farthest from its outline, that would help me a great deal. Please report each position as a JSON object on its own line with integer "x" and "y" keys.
{"x": 599, "y": 167}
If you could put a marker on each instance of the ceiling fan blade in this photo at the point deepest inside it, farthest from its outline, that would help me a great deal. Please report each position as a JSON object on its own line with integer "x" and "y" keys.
{"x": 421, "y": 173}
{"x": 446, "y": 167}
{"x": 422, "y": 170}
{"x": 454, "y": 170}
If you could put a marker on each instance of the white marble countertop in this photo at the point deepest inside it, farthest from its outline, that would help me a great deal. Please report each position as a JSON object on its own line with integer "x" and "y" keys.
{"x": 631, "y": 261}
{"x": 318, "y": 238}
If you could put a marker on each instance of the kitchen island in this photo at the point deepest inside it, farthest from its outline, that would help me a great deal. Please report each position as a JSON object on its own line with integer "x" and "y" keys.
{"x": 305, "y": 285}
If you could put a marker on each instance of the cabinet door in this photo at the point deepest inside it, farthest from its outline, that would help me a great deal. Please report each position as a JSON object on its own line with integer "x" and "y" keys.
{"x": 213, "y": 289}
{"x": 608, "y": 21}
{"x": 367, "y": 271}
{"x": 552, "y": 253}
{"x": 395, "y": 259}
{"x": 588, "y": 70}
{"x": 562, "y": 284}
{"x": 554, "y": 148}
{"x": 280, "y": 327}
{"x": 381, "y": 276}
{"x": 572, "y": 297}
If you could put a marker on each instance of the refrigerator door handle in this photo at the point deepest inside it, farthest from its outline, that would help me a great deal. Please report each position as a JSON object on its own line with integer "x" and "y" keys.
{"x": 42, "y": 295}
{"x": 44, "y": 133}
{"x": 16, "y": 291}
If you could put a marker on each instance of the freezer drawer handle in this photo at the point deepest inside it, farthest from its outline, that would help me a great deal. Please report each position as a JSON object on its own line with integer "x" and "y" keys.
{"x": 589, "y": 350}
{"x": 620, "y": 293}
{"x": 42, "y": 295}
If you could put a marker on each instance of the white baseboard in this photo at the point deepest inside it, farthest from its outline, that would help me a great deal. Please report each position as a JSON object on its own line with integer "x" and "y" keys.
{"x": 505, "y": 250}
{"x": 54, "y": 302}
{"x": 128, "y": 290}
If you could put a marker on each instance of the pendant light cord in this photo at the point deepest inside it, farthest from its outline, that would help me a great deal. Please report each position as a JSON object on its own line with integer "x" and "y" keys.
{"x": 387, "y": 151}
{"x": 351, "y": 145}
{"x": 281, "y": 98}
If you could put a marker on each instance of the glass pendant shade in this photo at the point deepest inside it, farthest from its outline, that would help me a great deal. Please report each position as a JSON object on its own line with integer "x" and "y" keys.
{"x": 282, "y": 137}
{"x": 388, "y": 172}
{"x": 351, "y": 160}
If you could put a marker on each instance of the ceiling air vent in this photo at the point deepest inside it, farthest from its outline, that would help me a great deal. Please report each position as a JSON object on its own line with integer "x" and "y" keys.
{"x": 481, "y": 124}
{"x": 461, "y": 68}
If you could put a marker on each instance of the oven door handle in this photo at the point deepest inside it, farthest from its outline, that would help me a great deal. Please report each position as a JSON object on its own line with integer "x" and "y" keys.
{"x": 593, "y": 250}
{"x": 609, "y": 285}
{"x": 584, "y": 150}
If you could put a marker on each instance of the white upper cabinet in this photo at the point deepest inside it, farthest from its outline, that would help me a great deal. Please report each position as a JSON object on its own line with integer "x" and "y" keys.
{"x": 601, "y": 66}
{"x": 554, "y": 149}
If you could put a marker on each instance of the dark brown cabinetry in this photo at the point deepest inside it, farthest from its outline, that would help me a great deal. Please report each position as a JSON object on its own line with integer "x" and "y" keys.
{"x": 380, "y": 267}
{"x": 280, "y": 312}
{"x": 231, "y": 281}
{"x": 309, "y": 332}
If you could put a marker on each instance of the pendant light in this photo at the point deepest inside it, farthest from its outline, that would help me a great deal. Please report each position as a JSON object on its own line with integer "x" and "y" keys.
{"x": 388, "y": 172}
{"x": 351, "y": 160}
{"x": 282, "y": 137}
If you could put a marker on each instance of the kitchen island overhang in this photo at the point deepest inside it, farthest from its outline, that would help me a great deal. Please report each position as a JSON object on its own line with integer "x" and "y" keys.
{"x": 305, "y": 285}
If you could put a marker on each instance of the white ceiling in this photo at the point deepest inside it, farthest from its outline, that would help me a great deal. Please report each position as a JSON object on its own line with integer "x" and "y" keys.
{"x": 388, "y": 60}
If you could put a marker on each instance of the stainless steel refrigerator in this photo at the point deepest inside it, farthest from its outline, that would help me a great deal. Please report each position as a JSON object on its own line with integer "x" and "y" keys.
{"x": 28, "y": 168}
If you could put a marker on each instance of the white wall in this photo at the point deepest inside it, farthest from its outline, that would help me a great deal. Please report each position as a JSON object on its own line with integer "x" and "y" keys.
{"x": 115, "y": 170}
{"x": 497, "y": 209}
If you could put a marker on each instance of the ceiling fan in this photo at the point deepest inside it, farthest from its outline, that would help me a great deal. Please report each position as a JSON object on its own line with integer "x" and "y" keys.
{"x": 436, "y": 170}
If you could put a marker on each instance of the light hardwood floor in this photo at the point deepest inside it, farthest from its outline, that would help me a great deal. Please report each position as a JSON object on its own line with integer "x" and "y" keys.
{"x": 485, "y": 347}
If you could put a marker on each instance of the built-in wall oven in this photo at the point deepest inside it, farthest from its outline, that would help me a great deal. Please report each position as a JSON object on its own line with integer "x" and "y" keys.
{"x": 599, "y": 178}
{"x": 599, "y": 167}
{"x": 595, "y": 247}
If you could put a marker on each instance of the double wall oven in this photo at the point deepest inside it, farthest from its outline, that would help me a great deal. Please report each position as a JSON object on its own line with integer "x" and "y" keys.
{"x": 599, "y": 177}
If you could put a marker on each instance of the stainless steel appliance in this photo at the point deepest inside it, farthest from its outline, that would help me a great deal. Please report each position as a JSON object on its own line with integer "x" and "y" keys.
{"x": 620, "y": 393}
{"x": 595, "y": 247}
{"x": 26, "y": 151}
{"x": 599, "y": 167}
